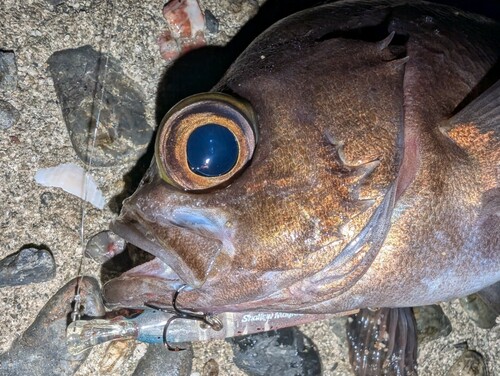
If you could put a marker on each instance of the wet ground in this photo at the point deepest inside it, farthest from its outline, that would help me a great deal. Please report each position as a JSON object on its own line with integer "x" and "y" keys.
{"x": 49, "y": 217}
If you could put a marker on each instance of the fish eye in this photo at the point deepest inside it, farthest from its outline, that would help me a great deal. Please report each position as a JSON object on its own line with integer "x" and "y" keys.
{"x": 212, "y": 150}
{"x": 205, "y": 140}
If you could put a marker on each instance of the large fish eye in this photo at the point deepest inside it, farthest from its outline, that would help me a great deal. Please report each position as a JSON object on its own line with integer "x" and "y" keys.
{"x": 205, "y": 140}
{"x": 212, "y": 150}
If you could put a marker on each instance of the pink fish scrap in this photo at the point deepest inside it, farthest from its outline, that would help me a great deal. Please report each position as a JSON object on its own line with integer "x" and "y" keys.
{"x": 186, "y": 29}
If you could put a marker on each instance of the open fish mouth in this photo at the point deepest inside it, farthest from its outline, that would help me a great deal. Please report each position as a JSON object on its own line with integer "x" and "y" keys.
{"x": 148, "y": 283}
{"x": 156, "y": 281}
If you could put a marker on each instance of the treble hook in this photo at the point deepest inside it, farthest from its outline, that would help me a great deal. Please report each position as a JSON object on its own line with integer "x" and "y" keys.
{"x": 206, "y": 318}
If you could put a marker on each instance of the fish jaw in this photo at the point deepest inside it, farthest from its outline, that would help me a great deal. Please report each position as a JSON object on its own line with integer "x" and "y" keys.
{"x": 194, "y": 241}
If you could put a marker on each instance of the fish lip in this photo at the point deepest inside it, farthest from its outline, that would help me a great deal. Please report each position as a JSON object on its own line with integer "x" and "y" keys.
{"x": 134, "y": 234}
{"x": 158, "y": 283}
{"x": 153, "y": 273}
{"x": 192, "y": 223}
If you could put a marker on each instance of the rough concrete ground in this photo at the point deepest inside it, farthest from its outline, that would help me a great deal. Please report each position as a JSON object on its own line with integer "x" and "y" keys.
{"x": 35, "y": 30}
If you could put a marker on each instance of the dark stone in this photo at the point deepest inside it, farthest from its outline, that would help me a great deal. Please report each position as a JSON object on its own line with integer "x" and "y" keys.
{"x": 279, "y": 352}
{"x": 470, "y": 363}
{"x": 211, "y": 23}
{"x": 42, "y": 349}
{"x": 211, "y": 368}
{"x": 30, "y": 265}
{"x": 46, "y": 198}
{"x": 55, "y": 3}
{"x": 479, "y": 311}
{"x": 432, "y": 323}
{"x": 8, "y": 71}
{"x": 491, "y": 296}
{"x": 159, "y": 361}
{"x": 123, "y": 133}
{"x": 8, "y": 115}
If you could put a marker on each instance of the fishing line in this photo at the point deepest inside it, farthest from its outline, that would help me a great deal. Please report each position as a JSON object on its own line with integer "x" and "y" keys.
{"x": 76, "y": 313}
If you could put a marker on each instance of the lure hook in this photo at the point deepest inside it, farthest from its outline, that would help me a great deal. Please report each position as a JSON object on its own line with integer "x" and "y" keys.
{"x": 207, "y": 319}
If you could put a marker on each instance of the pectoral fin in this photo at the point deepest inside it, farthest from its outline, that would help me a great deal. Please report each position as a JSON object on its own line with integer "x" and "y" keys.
{"x": 383, "y": 342}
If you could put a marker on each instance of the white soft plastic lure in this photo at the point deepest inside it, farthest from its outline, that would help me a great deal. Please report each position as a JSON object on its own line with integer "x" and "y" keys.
{"x": 70, "y": 178}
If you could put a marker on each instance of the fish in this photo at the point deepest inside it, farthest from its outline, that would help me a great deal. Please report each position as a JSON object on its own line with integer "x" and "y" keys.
{"x": 349, "y": 159}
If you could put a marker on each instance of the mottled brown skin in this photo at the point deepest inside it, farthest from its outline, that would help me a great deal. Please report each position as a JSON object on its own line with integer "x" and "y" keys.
{"x": 355, "y": 142}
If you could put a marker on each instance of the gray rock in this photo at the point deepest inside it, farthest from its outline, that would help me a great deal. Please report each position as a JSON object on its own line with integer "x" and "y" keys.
{"x": 8, "y": 71}
{"x": 30, "y": 265}
{"x": 159, "y": 361}
{"x": 9, "y": 115}
{"x": 211, "y": 368}
{"x": 479, "y": 311}
{"x": 211, "y": 22}
{"x": 123, "y": 133}
{"x": 279, "y": 352}
{"x": 470, "y": 363}
{"x": 432, "y": 323}
{"x": 42, "y": 349}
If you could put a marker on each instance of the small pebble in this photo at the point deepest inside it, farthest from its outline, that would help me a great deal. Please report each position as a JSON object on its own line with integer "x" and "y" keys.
{"x": 159, "y": 361}
{"x": 211, "y": 22}
{"x": 211, "y": 368}
{"x": 46, "y": 197}
{"x": 432, "y": 323}
{"x": 55, "y": 2}
{"x": 104, "y": 246}
{"x": 478, "y": 311}
{"x": 9, "y": 115}
{"x": 8, "y": 71}
{"x": 279, "y": 352}
{"x": 30, "y": 265}
{"x": 470, "y": 363}
{"x": 185, "y": 31}
{"x": 42, "y": 349}
{"x": 123, "y": 133}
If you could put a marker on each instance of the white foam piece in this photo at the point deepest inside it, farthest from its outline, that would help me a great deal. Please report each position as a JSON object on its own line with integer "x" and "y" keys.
{"x": 70, "y": 178}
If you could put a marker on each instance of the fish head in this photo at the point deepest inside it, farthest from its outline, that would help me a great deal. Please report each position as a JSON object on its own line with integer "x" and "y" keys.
{"x": 300, "y": 203}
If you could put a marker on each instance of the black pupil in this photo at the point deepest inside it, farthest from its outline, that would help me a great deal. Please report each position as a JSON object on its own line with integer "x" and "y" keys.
{"x": 212, "y": 150}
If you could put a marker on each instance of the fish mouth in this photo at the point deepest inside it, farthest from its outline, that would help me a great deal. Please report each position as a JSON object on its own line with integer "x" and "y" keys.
{"x": 185, "y": 245}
